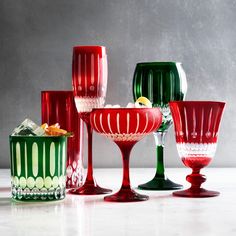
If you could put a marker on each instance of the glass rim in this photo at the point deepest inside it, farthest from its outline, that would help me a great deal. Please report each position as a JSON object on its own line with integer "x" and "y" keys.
{"x": 98, "y": 49}
{"x": 125, "y": 108}
{"x": 40, "y": 137}
{"x": 57, "y": 91}
{"x": 159, "y": 63}
{"x": 198, "y": 102}
{"x": 88, "y": 46}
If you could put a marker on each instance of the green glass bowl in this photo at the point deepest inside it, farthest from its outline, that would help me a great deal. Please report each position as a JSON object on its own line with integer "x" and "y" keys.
{"x": 38, "y": 167}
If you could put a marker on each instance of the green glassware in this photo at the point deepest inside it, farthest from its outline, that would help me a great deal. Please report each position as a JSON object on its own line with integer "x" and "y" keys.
{"x": 38, "y": 167}
{"x": 160, "y": 82}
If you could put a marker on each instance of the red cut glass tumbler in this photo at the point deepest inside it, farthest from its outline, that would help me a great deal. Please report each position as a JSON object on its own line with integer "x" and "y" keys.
{"x": 59, "y": 107}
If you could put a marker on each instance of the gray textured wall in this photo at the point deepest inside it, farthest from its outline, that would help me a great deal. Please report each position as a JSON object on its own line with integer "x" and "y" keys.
{"x": 36, "y": 40}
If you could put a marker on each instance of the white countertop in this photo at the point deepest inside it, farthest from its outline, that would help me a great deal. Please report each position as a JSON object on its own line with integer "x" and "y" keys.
{"x": 161, "y": 215}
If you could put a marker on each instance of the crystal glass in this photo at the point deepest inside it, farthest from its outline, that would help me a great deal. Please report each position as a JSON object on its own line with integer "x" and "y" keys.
{"x": 160, "y": 82}
{"x": 125, "y": 126}
{"x": 38, "y": 167}
{"x": 59, "y": 107}
{"x": 196, "y": 130}
{"x": 89, "y": 80}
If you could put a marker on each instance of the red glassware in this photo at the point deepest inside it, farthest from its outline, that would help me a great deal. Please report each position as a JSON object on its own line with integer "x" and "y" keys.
{"x": 89, "y": 77}
{"x": 89, "y": 80}
{"x": 126, "y": 126}
{"x": 59, "y": 107}
{"x": 196, "y": 131}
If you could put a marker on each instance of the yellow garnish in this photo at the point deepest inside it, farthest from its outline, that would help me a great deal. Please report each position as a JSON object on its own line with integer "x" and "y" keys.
{"x": 54, "y": 130}
{"x": 144, "y": 101}
{"x": 44, "y": 126}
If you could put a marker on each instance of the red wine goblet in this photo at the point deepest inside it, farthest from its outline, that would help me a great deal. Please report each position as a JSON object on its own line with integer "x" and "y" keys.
{"x": 196, "y": 131}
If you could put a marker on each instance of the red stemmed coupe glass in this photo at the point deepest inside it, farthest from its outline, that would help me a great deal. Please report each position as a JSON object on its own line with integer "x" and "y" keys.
{"x": 89, "y": 80}
{"x": 125, "y": 127}
{"x": 196, "y": 131}
{"x": 59, "y": 107}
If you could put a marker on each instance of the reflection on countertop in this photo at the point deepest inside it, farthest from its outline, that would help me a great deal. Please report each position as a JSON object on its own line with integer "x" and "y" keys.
{"x": 162, "y": 214}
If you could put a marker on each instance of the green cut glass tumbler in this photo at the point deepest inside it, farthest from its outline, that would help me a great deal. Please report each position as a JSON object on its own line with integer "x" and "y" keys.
{"x": 160, "y": 82}
{"x": 38, "y": 167}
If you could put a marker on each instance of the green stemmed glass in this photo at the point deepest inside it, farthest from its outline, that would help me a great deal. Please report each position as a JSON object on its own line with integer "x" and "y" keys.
{"x": 160, "y": 82}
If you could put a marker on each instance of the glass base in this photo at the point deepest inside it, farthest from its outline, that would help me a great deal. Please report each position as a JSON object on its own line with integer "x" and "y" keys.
{"x": 89, "y": 189}
{"x": 74, "y": 175}
{"x": 126, "y": 195}
{"x": 36, "y": 194}
{"x": 196, "y": 193}
{"x": 160, "y": 184}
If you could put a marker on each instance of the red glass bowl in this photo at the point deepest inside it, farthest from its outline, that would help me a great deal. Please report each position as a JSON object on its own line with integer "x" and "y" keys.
{"x": 126, "y": 126}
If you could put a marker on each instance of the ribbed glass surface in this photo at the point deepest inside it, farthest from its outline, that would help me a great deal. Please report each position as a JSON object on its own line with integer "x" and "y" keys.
{"x": 160, "y": 82}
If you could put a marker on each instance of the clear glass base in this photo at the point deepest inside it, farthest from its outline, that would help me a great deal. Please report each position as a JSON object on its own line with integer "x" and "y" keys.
{"x": 74, "y": 175}
{"x": 36, "y": 194}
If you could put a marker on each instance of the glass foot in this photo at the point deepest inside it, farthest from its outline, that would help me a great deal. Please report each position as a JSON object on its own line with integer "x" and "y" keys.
{"x": 198, "y": 193}
{"x": 160, "y": 184}
{"x": 38, "y": 194}
{"x": 89, "y": 189}
{"x": 126, "y": 195}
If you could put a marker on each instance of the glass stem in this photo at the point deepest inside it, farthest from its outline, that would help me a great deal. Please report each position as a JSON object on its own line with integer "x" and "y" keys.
{"x": 196, "y": 179}
{"x": 125, "y": 150}
{"x": 160, "y": 140}
{"x": 90, "y": 153}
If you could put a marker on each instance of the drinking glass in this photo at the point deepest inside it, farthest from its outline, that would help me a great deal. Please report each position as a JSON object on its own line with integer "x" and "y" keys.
{"x": 125, "y": 127}
{"x": 59, "y": 107}
{"x": 89, "y": 80}
{"x": 160, "y": 82}
{"x": 196, "y": 130}
{"x": 38, "y": 167}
